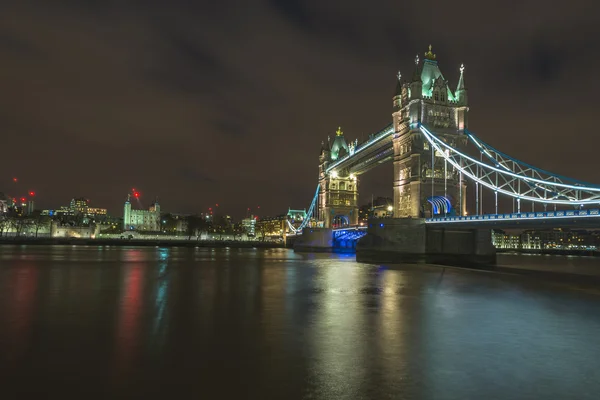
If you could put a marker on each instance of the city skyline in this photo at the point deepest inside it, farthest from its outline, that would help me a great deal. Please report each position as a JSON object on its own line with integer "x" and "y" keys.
{"x": 201, "y": 105}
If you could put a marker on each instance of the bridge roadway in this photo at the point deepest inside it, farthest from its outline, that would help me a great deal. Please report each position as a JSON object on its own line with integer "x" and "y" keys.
{"x": 524, "y": 220}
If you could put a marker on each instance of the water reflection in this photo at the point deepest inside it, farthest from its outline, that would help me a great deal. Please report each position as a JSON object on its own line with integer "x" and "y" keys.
{"x": 337, "y": 336}
{"x": 130, "y": 311}
{"x": 274, "y": 324}
{"x": 21, "y": 292}
{"x": 161, "y": 293}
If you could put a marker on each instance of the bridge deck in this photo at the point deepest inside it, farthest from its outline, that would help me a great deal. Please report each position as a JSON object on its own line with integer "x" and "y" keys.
{"x": 534, "y": 219}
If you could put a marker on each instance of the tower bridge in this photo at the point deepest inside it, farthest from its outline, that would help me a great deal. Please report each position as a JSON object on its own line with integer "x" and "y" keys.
{"x": 428, "y": 142}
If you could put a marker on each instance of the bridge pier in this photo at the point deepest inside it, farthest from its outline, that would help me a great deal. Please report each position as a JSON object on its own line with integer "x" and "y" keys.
{"x": 314, "y": 240}
{"x": 410, "y": 240}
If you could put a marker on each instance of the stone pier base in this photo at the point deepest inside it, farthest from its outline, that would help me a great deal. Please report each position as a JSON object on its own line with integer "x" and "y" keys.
{"x": 314, "y": 240}
{"x": 410, "y": 240}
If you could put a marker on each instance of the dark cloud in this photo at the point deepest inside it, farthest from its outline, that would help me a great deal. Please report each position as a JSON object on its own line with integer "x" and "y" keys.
{"x": 204, "y": 102}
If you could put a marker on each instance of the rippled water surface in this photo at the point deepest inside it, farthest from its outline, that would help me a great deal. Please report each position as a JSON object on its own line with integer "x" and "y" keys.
{"x": 110, "y": 322}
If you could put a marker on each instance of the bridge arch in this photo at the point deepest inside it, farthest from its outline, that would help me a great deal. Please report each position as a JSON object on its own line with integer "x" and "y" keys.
{"x": 441, "y": 205}
{"x": 340, "y": 221}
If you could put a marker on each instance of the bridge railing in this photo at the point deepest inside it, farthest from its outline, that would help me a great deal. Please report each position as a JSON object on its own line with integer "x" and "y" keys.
{"x": 591, "y": 213}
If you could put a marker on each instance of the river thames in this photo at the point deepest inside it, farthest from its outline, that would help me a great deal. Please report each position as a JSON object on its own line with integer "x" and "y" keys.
{"x": 117, "y": 322}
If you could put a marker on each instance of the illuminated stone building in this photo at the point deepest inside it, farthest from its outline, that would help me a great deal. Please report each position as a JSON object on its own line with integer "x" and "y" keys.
{"x": 141, "y": 220}
{"x": 338, "y": 195}
{"x": 423, "y": 182}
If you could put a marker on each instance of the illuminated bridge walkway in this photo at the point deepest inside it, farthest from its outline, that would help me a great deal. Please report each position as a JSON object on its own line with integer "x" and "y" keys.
{"x": 524, "y": 220}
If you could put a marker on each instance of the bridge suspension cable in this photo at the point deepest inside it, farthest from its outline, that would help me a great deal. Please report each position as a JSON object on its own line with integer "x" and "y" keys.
{"x": 506, "y": 175}
{"x": 310, "y": 211}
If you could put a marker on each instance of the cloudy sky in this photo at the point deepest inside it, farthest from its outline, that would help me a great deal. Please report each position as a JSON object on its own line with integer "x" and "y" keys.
{"x": 204, "y": 102}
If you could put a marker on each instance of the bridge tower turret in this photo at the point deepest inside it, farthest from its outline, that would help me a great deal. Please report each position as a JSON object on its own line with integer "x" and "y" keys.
{"x": 338, "y": 193}
{"x": 424, "y": 184}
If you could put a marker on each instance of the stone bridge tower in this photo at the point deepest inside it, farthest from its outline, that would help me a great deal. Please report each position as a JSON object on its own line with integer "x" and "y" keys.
{"x": 424, "y": 184}
{"x": 338, "y": 192}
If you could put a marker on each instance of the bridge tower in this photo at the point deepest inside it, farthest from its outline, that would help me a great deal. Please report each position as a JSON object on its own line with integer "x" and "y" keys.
{"x": 338, "y": 193}
{"x": 424, "y": 183}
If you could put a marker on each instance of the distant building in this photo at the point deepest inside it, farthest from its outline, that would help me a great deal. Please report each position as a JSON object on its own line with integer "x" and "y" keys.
{"x": 79, "y": 205}
{"x": 296, "y": 215}
{"x": 249, "y": 225}
{"x": 531, "y": 240}
{"x": 271, "y": 226}
{"x": 503, "y": 240}
{"x": 5, "y": 202}
{"x": 141, "y": 220}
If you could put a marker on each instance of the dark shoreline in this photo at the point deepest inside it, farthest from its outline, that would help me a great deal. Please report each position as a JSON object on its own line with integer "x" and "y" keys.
{"x": 133, "y": 242}
{"x": 583, "y": 253}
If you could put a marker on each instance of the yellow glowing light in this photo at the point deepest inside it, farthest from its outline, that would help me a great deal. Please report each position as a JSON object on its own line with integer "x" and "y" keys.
{"x": 334, "y": 174}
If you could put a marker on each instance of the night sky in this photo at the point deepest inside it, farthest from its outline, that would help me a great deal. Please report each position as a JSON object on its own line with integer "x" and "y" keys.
{"x": 228, "y": 101}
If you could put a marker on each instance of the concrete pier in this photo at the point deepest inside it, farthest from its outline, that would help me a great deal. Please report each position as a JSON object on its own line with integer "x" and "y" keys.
{"x": 410, "y": 240}
{"x": 314, "y": 240}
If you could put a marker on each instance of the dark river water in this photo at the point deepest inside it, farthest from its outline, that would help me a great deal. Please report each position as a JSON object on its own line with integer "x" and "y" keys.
{"x": 99, "y": 322}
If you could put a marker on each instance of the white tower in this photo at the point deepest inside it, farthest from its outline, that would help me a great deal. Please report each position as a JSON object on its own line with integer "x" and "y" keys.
{"x": 127, "y": 214}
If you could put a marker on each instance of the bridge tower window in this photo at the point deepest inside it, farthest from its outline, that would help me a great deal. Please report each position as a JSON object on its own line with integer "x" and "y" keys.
{"x": 342, "y": 186}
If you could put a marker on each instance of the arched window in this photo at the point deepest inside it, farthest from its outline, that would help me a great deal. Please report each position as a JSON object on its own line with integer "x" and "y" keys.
{"x": 436, "y": 95}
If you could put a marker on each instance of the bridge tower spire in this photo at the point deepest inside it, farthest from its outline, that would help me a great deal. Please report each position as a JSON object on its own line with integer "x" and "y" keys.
{"x": 462, "y": 101}
{"x": 424, "y": 185}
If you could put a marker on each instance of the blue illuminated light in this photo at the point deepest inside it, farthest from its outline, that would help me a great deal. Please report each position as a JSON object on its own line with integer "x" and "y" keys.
{"x": 381, "y": 225}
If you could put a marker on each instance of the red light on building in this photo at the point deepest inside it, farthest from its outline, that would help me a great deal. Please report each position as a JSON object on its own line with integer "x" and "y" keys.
{"x": 23, "y": 199}
{"x": 136, "y": 194}
{"x": 32, "y": 193}
{"x": 217, "y": 204}
{"x": 15, "y": 180}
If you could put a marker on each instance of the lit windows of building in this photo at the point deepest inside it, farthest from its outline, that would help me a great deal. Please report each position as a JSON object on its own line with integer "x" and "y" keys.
{"x": 249, "y": 226}
{"x": 79, "y": 205}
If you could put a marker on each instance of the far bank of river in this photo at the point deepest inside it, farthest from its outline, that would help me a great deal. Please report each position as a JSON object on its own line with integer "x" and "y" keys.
{"x": 553, "y": 252}
{"x": 137, "y": 242}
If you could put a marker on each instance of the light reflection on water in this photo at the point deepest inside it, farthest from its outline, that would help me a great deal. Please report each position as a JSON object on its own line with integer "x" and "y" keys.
{"x": 275, "y": 324}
